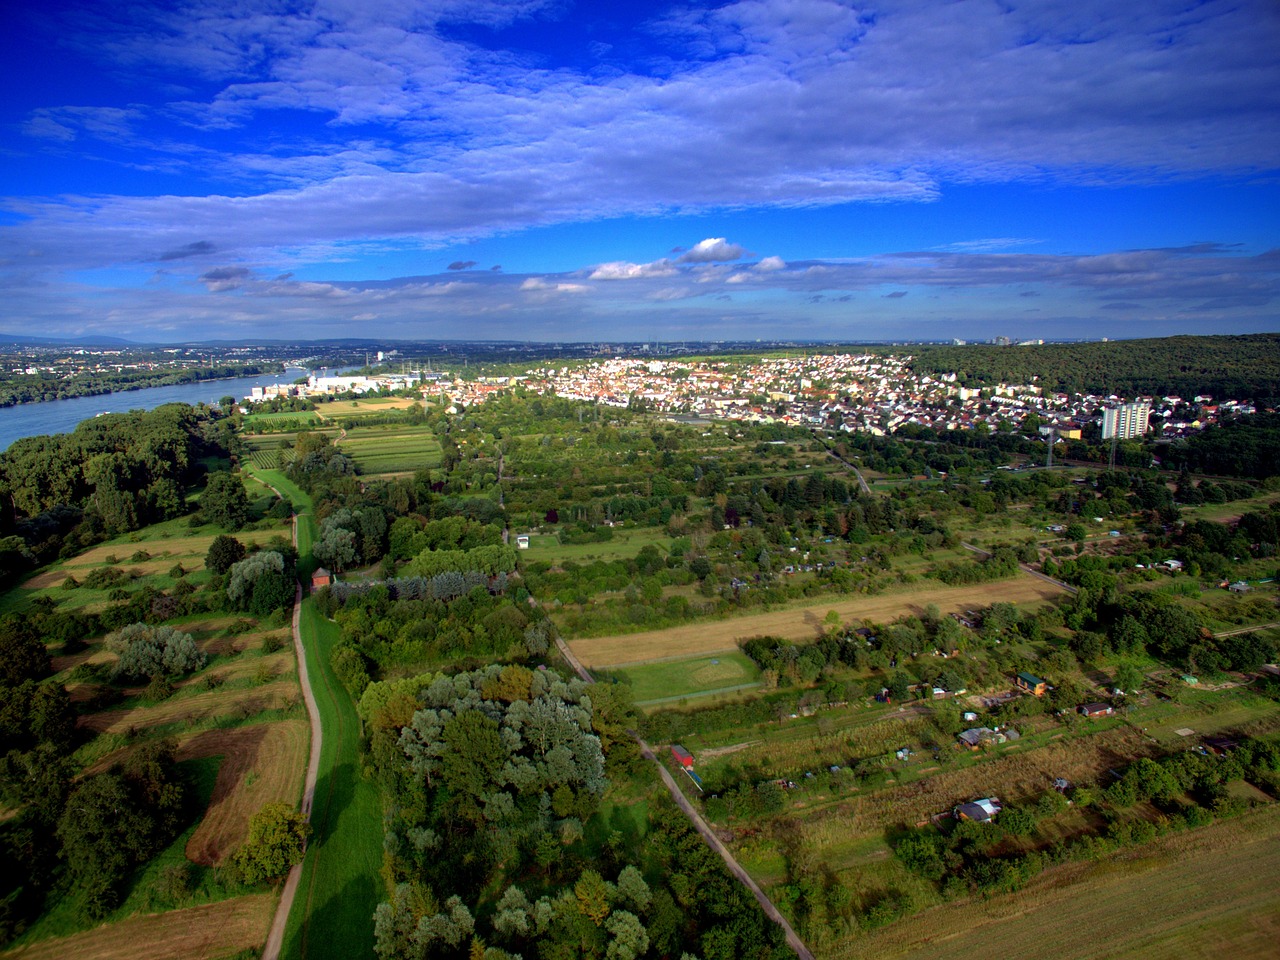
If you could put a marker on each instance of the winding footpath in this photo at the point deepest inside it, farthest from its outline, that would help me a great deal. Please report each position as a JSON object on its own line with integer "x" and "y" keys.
{"x": 275, "y": 939}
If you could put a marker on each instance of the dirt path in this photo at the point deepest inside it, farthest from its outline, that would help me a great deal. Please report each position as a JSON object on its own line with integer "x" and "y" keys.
{"x": 772, "y": 912}
{"x": 275, "y": 940}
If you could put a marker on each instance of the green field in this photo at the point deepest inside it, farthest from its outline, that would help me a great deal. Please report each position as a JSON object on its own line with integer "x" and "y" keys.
{"x": 382, "y": 450}
{"x": 625, "y": 544}
{"x": 701, "y": 676}
{"x": 332, "y": 915}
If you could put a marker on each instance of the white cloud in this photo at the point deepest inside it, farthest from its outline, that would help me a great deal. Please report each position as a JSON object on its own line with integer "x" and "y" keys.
{"x": 770, "y": 264}
{"x": 540, "y": 285}
{"x": 712, "y": 250}
{"x": 622, "y": 270}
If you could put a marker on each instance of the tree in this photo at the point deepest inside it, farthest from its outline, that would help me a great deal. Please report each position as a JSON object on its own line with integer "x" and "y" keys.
{"x": 224, "y": 501}
{"x": 261, "y": 582}
{"x": 336, "y": 548}
{"x": 147, "y": 651}
{"x": 276, "y": 842}
{"x": 224, "y": 553}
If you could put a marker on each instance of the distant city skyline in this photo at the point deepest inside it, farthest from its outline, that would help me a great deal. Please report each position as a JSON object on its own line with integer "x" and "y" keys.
{"x": 552, "y": 170}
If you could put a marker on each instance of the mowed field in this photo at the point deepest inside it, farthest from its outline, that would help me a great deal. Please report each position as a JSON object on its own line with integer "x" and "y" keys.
{"x": 673, "y": 680}
{"x": 801, "y": 623}
{"x": 1209, "y": 893}
{"x": 261, "y": 764}
{"x": 205, "y": 932}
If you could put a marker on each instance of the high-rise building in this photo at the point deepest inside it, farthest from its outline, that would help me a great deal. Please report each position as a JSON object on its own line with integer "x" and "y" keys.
{"x": 1125, "y": 421}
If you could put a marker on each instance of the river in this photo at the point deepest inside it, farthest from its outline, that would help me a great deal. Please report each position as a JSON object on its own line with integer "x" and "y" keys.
{"x": 61, "y": 416}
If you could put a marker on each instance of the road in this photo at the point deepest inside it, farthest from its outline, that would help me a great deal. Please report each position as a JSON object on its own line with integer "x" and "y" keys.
{"x": 772, "y": 912}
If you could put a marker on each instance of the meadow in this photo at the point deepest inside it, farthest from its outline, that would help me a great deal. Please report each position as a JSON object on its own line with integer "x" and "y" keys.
{"x": 668, "y": 681}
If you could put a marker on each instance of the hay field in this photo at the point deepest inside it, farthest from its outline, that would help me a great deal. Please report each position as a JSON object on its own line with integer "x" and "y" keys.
{"x": 205, "y": 932}
{"x": 802, "y": 623}
{"x": 1202, "y": 895}
{"x": 261, "y": 764}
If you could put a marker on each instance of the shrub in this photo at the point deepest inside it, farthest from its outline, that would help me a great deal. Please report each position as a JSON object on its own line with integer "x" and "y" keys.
{"x": 147, "y": 651}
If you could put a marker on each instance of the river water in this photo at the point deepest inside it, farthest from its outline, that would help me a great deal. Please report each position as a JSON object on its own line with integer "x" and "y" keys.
{"x": 61, "y": 416}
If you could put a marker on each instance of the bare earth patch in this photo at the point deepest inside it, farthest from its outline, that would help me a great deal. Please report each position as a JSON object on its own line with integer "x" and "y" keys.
{"x": 261, "y": 764}
{"x": 197, "y": 933}
{"x": 802, "y": 623}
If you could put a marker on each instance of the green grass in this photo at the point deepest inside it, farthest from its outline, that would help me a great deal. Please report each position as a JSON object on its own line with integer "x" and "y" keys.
{"x": 676, "y": 679}
{"x": 332, "y": 914}
{"x": 625, "y": 544}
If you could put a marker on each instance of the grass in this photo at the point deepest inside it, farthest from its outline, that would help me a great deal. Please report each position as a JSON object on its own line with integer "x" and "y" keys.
{"x": 670, "y": 680}
{"x": 625, "y": 544}
{"x": 332, "y": 914}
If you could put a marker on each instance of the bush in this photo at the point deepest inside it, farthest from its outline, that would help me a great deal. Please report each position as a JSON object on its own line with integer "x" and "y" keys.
{"x": 276, "y": 842}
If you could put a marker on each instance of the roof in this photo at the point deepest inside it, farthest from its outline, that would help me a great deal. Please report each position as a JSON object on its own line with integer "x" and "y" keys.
{"x": 321, "y": 572}
{"x": 1030, "y": 678}
{"x": 976, "y": 735}
{"x": 982, "y": 811}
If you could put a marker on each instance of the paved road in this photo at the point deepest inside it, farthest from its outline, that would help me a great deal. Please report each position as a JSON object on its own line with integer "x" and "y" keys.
{"x": 275, "y": 939}
{"x": 774, "y": 914}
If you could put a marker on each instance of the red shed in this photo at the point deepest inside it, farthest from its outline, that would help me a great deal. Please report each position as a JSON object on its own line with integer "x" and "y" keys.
{"x": 683, "y": 756}
{"x": 321, "y": 578}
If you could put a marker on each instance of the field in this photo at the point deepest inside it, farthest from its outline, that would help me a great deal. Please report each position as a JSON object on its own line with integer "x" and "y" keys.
{"x": 625, "y": 544}
{"x": 205, "y": 932}
{"x": 802, "y": 623}
{"x": 1211, "y": 893}
{"x": 261, "y": 764}
{"x": 677, "y": 679}
{"x": 370, "y": 406}
{"x": 391, "y": 450}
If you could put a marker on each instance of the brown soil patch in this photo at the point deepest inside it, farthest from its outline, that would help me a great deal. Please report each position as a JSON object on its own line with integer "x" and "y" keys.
{"x": 201, "y": 706}
{"x": 802, "y": 623}
{"x": 198, "y": 933}
{"x": 261, "y": 764}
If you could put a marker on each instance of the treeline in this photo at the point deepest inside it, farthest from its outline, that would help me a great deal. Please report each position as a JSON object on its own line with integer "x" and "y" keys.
{"x": 33, "y": 388}
{"x": 1225, "y": 367}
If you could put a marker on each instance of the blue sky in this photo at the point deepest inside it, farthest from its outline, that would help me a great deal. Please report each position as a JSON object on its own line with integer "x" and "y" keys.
{"x": 581, "y": 171}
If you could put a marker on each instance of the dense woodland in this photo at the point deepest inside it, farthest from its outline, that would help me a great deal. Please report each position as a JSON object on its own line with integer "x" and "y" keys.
{"x": 1236, "y": 367}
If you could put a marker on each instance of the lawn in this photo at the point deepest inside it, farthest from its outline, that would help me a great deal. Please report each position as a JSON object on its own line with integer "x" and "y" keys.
{"x": 678, "y": 679}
